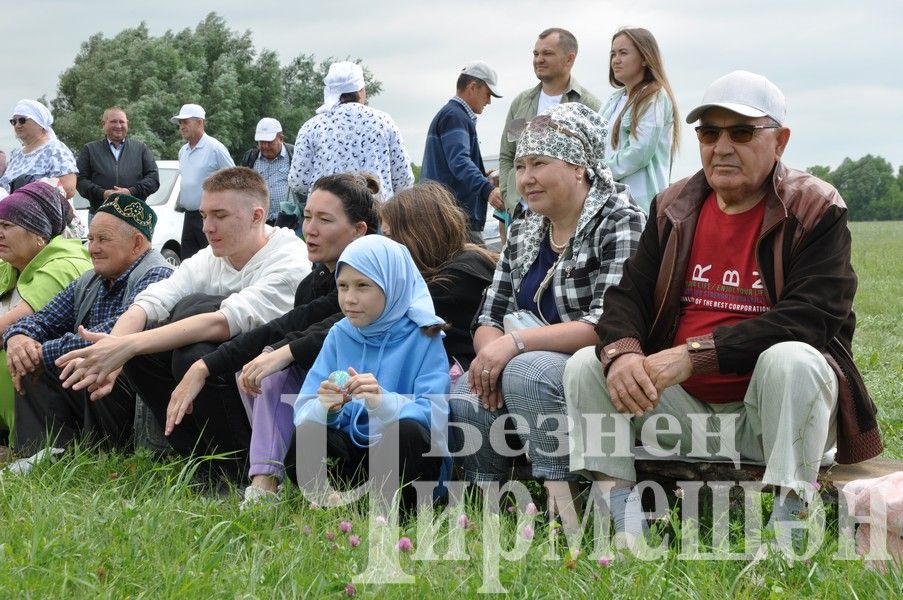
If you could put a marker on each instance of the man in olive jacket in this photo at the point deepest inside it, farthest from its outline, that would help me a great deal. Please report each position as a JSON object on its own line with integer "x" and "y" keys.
{"x": 553, "y": 58}
{"x": 736, "y": 308}
{"x": 116, "y": 164}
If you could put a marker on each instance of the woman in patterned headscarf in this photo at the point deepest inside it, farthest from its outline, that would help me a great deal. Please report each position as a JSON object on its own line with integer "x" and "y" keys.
{"x": 36, "y": 264}
{"x": 42, "y": 155}
{"x": 570, "y": 246}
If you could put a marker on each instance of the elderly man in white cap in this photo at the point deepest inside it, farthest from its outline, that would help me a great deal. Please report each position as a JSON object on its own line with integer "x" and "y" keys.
{"x": 271, "y": 158}
{"x": 452, "y": 153}
{"x": 199, "y": 158}
{"x": 347, "y": 135}
{"x": 736, "y": 308}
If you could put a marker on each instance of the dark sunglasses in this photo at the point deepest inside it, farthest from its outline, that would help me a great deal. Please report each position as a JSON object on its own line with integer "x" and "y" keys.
{"x": 739, "y": 134}
{"x": 18, "y": 121}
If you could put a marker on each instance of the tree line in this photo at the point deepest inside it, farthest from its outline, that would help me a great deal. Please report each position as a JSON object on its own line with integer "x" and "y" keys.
{"x": 152, "y": 76}
{"x": 869, "y": 187}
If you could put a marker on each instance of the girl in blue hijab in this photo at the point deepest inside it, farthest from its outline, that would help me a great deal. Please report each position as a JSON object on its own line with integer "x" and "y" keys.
{"x": 390, "y": 346}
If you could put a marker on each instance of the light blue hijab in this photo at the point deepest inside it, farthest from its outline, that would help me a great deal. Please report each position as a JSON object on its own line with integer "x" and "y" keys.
{"x": 390, "y": 266}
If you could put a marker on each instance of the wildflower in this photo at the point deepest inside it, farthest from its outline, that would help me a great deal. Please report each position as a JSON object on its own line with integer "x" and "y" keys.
{"x": 531, "y": 509}
{"x": 381, "y": 520}
{"x": 679, "y": 492}
{"x": 306, "y": 530}
{"x": 510, "y": 509}
{"x": 528, "y": 533}
{"x": 350, "y": 590}
{"x": 334, "y": 499}
{"x": 345, "y": 526}
{"x": 404, "y": 545}
{"x": 330, "y": 536}
{"x": 314, "y": 505}
{"x": 604, "y": 561}
{"x": 354, "y": 540}
{"x": 463, "y": 521}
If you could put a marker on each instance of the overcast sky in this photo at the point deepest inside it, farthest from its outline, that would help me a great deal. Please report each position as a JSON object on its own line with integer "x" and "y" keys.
{"x": 827, "y": 57}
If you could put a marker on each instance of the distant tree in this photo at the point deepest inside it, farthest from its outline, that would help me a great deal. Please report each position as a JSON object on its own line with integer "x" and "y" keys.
{"x": 214, "y": 66}
{"x": 821, "y": 172}
{"x": 869, "y": 188}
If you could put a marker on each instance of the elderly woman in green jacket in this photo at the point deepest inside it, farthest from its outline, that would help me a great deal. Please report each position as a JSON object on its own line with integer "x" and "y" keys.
{"x": 36, "y": 263}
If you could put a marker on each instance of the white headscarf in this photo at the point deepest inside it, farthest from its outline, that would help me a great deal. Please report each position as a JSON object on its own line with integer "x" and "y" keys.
{"x": 343, "y": 78}
{"x": 37, "y": 112}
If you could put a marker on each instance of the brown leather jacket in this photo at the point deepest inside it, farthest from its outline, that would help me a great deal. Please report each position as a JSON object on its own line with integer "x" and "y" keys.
{"x": 803, "y": 255}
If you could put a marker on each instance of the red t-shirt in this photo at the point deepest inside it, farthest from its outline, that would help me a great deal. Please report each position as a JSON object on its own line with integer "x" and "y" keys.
{"x": 722, "y": 287}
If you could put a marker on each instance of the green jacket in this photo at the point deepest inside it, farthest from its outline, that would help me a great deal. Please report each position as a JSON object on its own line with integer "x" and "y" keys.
{"x": 524, "y": 106}
{"x": 49, "y": 272}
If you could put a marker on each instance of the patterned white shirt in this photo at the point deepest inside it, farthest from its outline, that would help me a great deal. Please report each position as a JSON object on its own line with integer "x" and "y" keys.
{"x": 351, "y": 137}
{"x": 52, "y": 159}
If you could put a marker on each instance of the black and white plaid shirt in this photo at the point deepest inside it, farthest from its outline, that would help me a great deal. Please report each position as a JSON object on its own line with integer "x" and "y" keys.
{"x": 608, "y": 232}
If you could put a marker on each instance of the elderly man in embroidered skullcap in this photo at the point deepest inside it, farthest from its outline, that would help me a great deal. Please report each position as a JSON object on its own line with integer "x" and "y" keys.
{"x": 347, "y": 135}
{"x": 119, "y": 242}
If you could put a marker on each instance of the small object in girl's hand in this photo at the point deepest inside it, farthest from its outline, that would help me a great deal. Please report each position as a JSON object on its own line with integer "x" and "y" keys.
{"x": 340, "y": 378}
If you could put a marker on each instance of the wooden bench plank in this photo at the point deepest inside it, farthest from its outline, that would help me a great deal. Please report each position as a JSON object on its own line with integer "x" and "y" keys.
{"x": 720, "y": 471}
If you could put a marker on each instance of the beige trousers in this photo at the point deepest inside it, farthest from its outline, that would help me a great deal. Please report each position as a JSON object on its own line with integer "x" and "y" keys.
{"x": 787, "y": 419}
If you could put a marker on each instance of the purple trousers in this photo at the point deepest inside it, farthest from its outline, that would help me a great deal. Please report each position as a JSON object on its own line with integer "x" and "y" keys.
{"x": 271, "y": 416}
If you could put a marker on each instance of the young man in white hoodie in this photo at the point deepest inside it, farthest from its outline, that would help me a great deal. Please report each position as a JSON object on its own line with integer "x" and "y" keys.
{"x": 244, "y": 278}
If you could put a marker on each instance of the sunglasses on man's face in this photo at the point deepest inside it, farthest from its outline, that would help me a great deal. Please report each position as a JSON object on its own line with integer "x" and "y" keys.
{"x": 18, "y": 121}
{"x": 739, "y": 134}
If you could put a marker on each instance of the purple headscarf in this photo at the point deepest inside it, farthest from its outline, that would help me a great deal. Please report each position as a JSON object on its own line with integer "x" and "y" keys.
{"x": 38, "y": 207}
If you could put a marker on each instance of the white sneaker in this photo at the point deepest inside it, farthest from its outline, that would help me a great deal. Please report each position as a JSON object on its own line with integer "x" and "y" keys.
{"x": 255, "y": 496}
{"x": 23, "y": 466}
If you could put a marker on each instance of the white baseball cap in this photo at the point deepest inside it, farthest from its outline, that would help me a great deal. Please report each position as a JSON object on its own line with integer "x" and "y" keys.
{"x": 189, "y": 111}
{"x": 484, "y": 72}
{"x": 267, "y": 129}
{"x": 744, "y": 93}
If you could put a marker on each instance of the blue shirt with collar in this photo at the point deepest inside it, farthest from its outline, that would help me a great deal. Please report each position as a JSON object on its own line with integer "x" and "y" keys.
{"x": 197, "y": 164}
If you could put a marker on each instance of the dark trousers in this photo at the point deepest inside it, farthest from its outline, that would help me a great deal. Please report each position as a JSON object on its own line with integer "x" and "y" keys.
{"x": 51, "y": 414}
{"x": 218, "y": 423}
{"x": 193, "y": 238}
{"x": 350, "y": 463}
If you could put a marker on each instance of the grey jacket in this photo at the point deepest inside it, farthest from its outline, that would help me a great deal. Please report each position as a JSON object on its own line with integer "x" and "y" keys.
{"x": 524, "y": 106}
{"x": 98, "y": 170}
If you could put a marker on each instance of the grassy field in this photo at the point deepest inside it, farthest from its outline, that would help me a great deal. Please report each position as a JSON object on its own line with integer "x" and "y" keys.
{"x": 97, "y": 525}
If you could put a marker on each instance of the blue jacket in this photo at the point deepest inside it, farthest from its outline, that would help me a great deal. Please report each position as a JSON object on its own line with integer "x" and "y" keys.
{"x": 410, "y": 366}
{"x": 452, "y": 156}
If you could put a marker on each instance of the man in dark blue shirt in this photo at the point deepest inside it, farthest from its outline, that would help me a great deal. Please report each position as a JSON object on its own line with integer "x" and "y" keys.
{"x": 452, "y": 154}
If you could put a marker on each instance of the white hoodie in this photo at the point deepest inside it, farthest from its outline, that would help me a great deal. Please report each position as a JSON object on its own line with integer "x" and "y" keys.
{"x": 260, "y": 292}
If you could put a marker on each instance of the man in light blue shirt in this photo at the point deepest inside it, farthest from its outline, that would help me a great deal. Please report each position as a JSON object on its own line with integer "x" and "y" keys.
{"x": 199, "y": 158}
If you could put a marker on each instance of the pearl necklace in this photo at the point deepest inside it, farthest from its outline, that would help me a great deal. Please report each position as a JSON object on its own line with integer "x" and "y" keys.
{"x": 558, "y": 249}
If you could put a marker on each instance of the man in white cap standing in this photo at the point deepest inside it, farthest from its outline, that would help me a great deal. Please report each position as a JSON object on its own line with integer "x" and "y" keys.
{"x": 347, "y": 135}
{"x": 452, "y": 154}
{"x": 271, "y": 158}
{"x": 199, "y": 158}
{"x": 737, "y": 308}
